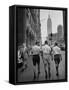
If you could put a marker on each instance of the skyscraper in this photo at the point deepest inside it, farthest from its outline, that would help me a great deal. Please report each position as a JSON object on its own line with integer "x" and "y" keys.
{"x": 49, "y": 25}
{"x": 60, "y": 32}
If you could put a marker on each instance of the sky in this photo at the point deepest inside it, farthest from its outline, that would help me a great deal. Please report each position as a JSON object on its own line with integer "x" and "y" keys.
{"x": 56, "y": 18}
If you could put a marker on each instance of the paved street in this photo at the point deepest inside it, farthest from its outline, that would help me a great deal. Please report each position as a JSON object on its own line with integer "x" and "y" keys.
{"x": 28, "y": 74}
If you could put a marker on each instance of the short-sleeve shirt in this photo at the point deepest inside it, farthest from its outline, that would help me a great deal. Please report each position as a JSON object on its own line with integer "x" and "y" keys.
{"x": 56, "y": 50}
{"x": 46, "y": 49}
{"x": 35, "y": 50}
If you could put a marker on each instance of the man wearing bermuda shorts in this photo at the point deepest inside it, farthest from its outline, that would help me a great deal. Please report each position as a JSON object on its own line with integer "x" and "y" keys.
{"x": 57, "y": 57}
{"x": 46, "y": 59}
{"x": 35, "y": 52}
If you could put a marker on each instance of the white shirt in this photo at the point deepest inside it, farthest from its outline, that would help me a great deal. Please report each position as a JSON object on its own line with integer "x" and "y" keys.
{"x": 19, "y": 57}
{"x": 56, "y": 50}
{"x": 35, "y": 50}
{"x": 46, "y": 49}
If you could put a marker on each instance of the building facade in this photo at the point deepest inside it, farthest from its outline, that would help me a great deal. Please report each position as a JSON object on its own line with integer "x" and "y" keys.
{"x": 29, "y": 29}
{"x": 60, "y": 32}
{"x": 49, "y": 30}
{"x": 49, "y": 25}
{"x": 33, "y": 31}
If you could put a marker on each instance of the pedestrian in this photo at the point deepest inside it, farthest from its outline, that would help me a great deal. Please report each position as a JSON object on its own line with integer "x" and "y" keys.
{"x": 46, "y": 59}
{"x": 19, "y": 61}
{"x": 36, "y": 59}
{"x": 23, "y": 56}
{"x": 57, "y": 57}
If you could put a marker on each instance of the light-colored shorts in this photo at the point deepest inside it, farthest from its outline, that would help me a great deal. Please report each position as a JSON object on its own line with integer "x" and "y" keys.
{"x": 46, "y": 58}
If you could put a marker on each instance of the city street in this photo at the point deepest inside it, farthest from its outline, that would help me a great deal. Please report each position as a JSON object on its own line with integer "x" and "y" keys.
{"x": 27, "y": 75}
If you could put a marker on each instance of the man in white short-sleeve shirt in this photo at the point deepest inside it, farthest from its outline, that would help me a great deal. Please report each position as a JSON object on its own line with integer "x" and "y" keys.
{"x": 46, "y": 59}
{"x": 36, "y": 59}
{"x": 57, "y": 56}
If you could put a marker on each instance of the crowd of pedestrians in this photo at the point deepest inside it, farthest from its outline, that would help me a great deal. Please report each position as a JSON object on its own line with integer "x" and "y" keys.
{"x": 47, "y": 54}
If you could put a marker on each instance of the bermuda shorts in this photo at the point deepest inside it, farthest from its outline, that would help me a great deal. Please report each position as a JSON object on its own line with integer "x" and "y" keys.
{"x": 36, "y": 59}
{"x": 46, "y": 58}
{"x": 57, "y": 58}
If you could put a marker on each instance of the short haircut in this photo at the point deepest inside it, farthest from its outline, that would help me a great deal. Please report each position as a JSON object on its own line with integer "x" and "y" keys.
{"x": 46, "y": 42}
{"x": 36, "y": 42}
{"x": 56, "y": 43}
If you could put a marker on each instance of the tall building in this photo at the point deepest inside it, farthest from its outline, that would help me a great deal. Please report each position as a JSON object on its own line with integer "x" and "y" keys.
{"x": 21, "y": 26}
{"x": 59, "y": 32}
{"x": 49, "y": 25}
{"x": 28, "y": 26}
{"x": 33, "y": 26}
{"x": 49, "y": 29}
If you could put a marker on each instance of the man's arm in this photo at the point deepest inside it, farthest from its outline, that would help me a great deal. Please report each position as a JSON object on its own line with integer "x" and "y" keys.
{"x": 52, "y": 54}
{"x": 60, "y": 55}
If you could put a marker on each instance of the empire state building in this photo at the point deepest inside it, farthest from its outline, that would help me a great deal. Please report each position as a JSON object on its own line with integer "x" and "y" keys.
{"x": 49, "y": 25}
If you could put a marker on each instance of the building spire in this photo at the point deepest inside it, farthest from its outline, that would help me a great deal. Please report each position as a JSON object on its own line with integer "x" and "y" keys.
{"x": 48, "y": 15}
{"x": 49, "y": 25}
